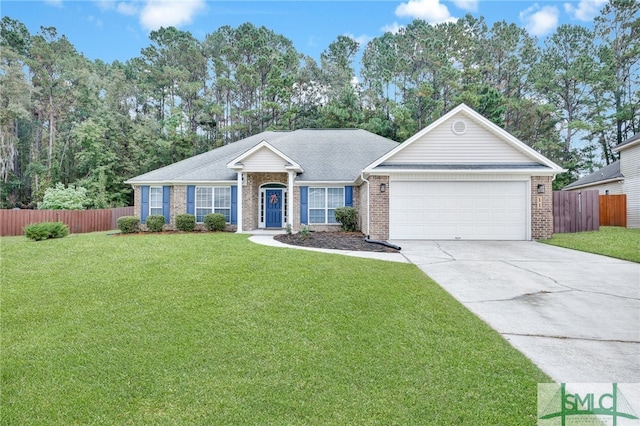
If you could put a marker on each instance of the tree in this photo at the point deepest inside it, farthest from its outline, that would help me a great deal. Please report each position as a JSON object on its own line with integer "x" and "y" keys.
{"x": 60, "y": 197}
{"x": 618, "y": 30}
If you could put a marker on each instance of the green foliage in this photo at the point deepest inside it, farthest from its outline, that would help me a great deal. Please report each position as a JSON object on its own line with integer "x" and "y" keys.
{"x": 128, "y": 224}
{"x": 304, "y": 230}
{"x": 155, "y": 222}
{"x": 348, "y": 218}
{"x": 215, "y": 222}
{"x": 613, "y": 241}
{"x": 60, "y": 197}
{"x": 46, "y": 230}
{"x": 185, "y": 222}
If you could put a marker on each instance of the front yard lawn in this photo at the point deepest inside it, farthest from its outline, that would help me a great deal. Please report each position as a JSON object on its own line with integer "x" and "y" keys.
{"x": 213, "y": 329}
{"x": 621, "y": 243}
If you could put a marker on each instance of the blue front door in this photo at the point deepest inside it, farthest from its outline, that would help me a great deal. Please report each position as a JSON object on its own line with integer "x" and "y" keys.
{"x": 273, "y": 208}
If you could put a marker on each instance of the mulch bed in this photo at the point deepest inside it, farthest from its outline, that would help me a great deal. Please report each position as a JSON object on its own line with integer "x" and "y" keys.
{"x": 333, "y": 240}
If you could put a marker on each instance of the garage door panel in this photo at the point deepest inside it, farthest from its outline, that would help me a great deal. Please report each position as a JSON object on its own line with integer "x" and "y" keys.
{"x": 458, "y": 210}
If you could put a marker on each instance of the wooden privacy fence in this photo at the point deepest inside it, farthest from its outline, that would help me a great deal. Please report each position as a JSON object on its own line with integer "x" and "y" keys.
{"x": 613, "y": 210}
{"x": 12, "y": 222}
{"x": 576, "y": 211}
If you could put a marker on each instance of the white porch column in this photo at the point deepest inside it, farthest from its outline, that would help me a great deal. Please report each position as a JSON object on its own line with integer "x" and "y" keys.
{"x": 292, "y": 176}
{"x": 239, "y": 213}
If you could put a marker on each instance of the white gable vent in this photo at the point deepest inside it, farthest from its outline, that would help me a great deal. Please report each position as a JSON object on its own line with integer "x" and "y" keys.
{"x": 459, "y": 127}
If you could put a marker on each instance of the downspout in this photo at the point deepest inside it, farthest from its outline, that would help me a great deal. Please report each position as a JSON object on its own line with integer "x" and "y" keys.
{"x": 368, "y": 199}
{"x": 367, "y": 239}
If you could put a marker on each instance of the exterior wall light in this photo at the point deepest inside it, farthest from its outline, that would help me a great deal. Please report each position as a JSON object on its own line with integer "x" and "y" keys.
{"x": 540, "y": 188}
{"x": 383, "y": 187}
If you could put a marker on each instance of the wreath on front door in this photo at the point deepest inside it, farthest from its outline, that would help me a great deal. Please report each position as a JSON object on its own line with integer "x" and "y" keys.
{"x": 274, "y": 198}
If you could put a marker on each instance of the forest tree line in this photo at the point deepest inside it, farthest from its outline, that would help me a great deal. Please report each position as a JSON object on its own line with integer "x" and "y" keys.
{"x": 64, "y": 118}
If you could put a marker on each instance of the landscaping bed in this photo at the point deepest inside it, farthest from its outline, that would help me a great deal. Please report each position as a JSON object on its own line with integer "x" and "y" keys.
{"x": 333, "y": 240}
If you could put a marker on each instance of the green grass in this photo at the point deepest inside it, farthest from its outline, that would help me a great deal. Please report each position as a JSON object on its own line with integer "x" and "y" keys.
{"x": 621, "y": 243}
{"x": 212, "y": 329}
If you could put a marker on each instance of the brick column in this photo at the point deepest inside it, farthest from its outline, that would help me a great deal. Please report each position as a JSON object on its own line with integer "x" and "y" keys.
{"x": 378, "y": 208}
{"x": 541, "y": 208}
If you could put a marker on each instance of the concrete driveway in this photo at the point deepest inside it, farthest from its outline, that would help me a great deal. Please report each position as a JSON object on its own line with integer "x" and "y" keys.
{"x": 576, "y": 315}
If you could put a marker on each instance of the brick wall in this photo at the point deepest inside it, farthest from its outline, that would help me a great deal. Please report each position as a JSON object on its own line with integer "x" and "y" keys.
{"x": 541, "y": 208}
{"x": 251, "y": 196}
{"x": 379, "y": 208}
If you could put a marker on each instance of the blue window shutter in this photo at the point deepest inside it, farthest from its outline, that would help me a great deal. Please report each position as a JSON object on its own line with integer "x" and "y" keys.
{"x": 191, "y": 199}
{"x": 348, "y": 196}
{"x": 234, "y": 205}
{"x": 304, "y": 204}
{"x": 144, "y": 203}
{"x": 166, "y": 197}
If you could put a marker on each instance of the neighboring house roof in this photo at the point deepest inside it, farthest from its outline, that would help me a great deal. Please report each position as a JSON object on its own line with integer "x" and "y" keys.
{"x": 323, "y": 155}
{"x": 632, "y": 141}
{"x": 490, "y": 148}
{"x": 606, "y": 174}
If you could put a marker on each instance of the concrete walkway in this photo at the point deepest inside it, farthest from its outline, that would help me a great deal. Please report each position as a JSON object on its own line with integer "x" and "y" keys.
{"x": 576, "y": 315}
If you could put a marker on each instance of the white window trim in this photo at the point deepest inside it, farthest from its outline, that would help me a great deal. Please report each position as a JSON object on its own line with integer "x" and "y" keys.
{"x": 213, "y": 200}
{"x": 326, "y": 204}
{"x": 151, "y": 207}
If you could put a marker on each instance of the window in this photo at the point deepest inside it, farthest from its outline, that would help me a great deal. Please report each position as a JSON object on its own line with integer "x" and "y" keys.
{"x": 323, "y": 202}
{"x": 155, "y": 200}
{"x": 213, "y": 200}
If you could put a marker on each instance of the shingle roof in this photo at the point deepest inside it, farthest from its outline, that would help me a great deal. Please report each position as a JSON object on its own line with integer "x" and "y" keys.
{"x": 612, "y": 171}
{"x": 628, "y": 142}
{"x": 326, "y": 155}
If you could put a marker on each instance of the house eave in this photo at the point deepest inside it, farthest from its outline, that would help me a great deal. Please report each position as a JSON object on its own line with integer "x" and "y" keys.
{"x": 178, "y": 182}
{"x": 600, "y": 182}
{"x": 382, "y": 171}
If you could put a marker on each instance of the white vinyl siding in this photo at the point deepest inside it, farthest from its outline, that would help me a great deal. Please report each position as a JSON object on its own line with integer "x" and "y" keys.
{"x": 263, "y": 160}
{"x": 465, "y": 210}
{"x": 476, "y": 146}
{"x": 155, "y": 200}
{"x": 630, "y": 168}
{"x": 322, "y": 204}
{"x": 215, "y": 199}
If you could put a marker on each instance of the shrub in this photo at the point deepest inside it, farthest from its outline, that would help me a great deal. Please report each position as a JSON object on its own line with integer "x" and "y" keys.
{"x": 304, "y": 230}
{"x": 44, "y": 230}
{"x": 215, "y": 222}
{"x": 185, "y": 222}
{"x": 155, "y": 222}
{"x": 60, "y": 197}
{"x": 128, "y": 224}
{"x": 348, "y": 218}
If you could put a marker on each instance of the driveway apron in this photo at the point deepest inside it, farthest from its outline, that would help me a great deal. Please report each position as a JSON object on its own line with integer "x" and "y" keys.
{"x": 576, "y": 315}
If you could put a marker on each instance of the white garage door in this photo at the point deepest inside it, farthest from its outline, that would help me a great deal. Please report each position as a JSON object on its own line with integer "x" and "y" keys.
{"x": 458, "y": 210}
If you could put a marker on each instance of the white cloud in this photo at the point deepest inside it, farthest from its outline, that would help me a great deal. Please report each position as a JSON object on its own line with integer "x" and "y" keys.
{"x": 127, "y": 8}
{"x": 55, "y": 3}
{"x": 362, "y": 40}
{"x": 168, "y": 13}
{"x": 392, "y": 28}
{"x": 538, "y": 20}
{"x": 470, "y": 5}
{"x": 431, "y": 11}
{"x": 586, "y": 9}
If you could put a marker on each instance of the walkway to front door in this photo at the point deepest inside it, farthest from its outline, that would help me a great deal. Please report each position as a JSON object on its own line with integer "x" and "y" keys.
{"x": 273, "y": 208}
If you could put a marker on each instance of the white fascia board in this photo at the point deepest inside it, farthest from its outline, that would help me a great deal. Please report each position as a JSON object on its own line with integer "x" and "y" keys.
{"x": 177, "y": 182}
{"x": 325, "y": 183}
{"x": 291, "y": 165}
{"x": 600, "y": 182}
{"x": 524, "y": 172}
{"x": 623, "y": 147}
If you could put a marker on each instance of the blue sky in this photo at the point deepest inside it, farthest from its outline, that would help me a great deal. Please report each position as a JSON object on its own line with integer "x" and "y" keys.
{"x": 118, "y": 29}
